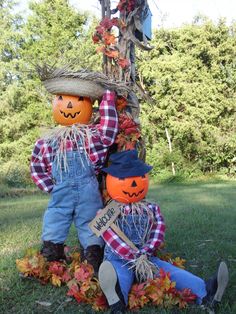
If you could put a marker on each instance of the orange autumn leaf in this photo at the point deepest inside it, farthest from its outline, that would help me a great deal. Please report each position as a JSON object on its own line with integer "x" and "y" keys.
{"x": 56, "y": 280}
{"x": 166, "y": 283}
{"x": 23, "y": 266}
{"x": 170, "y": 300}
{"x": 137, "y": 298}
{"x": 100, "y": 49}
{"x": 123, "y": 63}
{"x": 121, "y": 103}
{"x": 160, "y": 291}
{"x": 109, "y": 39}
{"x": 112, "y": 53}
{"x": 179, "y": 262}
{"x": 130, "y": 145}
{"x": 154, "y": 293}
{"x": 122, "y": 24}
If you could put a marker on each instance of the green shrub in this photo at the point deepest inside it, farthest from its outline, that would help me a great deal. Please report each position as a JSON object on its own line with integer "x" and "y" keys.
{"x": 15, "y": 174}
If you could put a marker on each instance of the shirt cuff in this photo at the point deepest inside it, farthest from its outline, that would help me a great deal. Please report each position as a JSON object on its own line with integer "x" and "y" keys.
{"x": 109, "y": 95}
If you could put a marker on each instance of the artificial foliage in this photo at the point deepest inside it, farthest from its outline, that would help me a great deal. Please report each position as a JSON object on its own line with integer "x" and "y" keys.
{"x": 84, "y": 287}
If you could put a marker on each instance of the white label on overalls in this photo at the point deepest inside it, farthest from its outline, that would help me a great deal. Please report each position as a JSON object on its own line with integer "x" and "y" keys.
{"x": 105, "y": 218}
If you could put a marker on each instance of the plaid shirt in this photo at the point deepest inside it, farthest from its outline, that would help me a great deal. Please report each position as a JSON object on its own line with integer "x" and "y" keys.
{"x": 156, "y": 237}
{"x": 104, "y": 136}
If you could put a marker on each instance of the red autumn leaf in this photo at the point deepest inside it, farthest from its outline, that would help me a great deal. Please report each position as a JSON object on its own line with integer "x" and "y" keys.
{"x": 187, "y": 295}
{"x": 123, "y": 63}
{"x": 95, "y": 39}
{"x": 100, "y": 303}
{"x": 106, "y": 23}
{"x": 115, "y": 21}
{"x": 131, "y": 130}
{"x": 80, "y": 297}
{"x": 57, "y": 268}
{"x": 127, "y": 123}
{"x": 100, "y": 29}
{"x": 73, "y": 288}
{"x": 138, "y": 289}
{"x": 83, "y": 272}
{"x": 66, "y": 276}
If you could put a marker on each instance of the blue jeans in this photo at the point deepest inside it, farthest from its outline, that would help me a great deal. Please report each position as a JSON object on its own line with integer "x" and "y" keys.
{"x": 75, "y": 198}
{"x": 134, "y": 227}
{"x": 183, "y": 278}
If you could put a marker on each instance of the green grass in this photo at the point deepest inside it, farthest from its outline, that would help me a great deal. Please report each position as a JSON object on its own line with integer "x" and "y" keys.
{"x": 200, "y": 219}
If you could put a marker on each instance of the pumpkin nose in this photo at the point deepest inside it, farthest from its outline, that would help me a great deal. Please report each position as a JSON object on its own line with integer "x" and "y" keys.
{"x": 70, "y": 105}
{"x": 134, "y": 184}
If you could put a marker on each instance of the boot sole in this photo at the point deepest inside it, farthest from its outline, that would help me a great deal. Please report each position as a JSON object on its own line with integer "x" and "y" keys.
{"x": 222, "y": 280}
{"x": 108, "y": 279}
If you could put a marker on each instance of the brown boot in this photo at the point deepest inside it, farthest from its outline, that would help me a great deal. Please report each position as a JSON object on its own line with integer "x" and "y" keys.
{"x": 53, "y": 251}
{"x": 94, "y": 256}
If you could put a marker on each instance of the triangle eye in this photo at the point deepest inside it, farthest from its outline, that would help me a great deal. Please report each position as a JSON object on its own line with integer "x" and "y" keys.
{"x": 60, "y": 98}
{"x": 81, "y": 98}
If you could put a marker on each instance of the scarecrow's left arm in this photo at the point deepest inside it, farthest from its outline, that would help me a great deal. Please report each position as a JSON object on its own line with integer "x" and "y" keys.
{"x": 108, "y": 126}
{"x": 157, "y": 233}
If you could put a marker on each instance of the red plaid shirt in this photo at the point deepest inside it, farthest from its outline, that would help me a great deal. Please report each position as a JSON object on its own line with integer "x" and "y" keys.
{"x": 43, "y": 155}
{"x": 156, "y": 237}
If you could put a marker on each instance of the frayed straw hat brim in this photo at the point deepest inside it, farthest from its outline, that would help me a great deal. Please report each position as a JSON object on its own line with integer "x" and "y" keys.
{"x": 75, "y": 87}
{"x": 78, "y": 83}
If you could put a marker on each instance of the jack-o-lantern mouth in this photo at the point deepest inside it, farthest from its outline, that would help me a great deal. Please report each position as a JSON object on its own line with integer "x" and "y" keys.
{"x": 71, "y": 115}
{"x": 133, "y": 194}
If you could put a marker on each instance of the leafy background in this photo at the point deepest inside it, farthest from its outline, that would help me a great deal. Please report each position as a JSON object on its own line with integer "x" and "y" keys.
{"x": 190, "y": 75}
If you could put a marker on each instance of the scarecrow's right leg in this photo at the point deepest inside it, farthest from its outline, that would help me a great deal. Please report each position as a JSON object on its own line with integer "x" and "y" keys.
{"x": 116, "y": 280}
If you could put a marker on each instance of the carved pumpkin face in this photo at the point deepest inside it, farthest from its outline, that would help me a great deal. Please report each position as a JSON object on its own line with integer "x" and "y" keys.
{"x": 68, "y": 110}
{"x": 128, "y": 190}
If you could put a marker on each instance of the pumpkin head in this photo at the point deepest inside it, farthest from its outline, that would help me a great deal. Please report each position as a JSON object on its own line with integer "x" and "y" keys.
{"x": 68, "y": 110}
{"x": 127, "y": 190}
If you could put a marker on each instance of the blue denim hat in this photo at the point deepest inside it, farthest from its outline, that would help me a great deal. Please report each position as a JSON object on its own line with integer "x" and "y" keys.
{"x": 127, "y": 164}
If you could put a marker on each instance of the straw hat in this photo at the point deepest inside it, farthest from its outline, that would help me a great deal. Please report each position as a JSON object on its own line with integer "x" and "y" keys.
{"x": 82, "y": 83}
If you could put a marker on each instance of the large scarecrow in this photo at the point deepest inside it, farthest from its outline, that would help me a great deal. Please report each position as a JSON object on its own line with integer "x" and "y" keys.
{"x": 135, "y": 236}
{"x": 66, "y": 160}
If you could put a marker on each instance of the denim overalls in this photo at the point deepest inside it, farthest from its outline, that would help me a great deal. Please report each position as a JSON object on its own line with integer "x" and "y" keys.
{"x": 75, "y": 198}
{"x": 135, "y": 229}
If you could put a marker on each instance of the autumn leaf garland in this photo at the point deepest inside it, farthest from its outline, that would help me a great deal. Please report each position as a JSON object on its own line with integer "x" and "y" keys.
{"x": 84, "y": 287}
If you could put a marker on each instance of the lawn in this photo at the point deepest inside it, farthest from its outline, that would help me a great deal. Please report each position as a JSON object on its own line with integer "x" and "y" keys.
{"x": 200, "y": 219}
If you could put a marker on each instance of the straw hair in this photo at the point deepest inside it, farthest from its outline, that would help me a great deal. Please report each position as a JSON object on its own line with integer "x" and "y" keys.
{"x": 78, "y": 83}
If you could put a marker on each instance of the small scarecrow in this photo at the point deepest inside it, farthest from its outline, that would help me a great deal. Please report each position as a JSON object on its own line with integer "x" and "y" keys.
{"x": 65, "y": 161}
{"x": 138, "y": 231}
